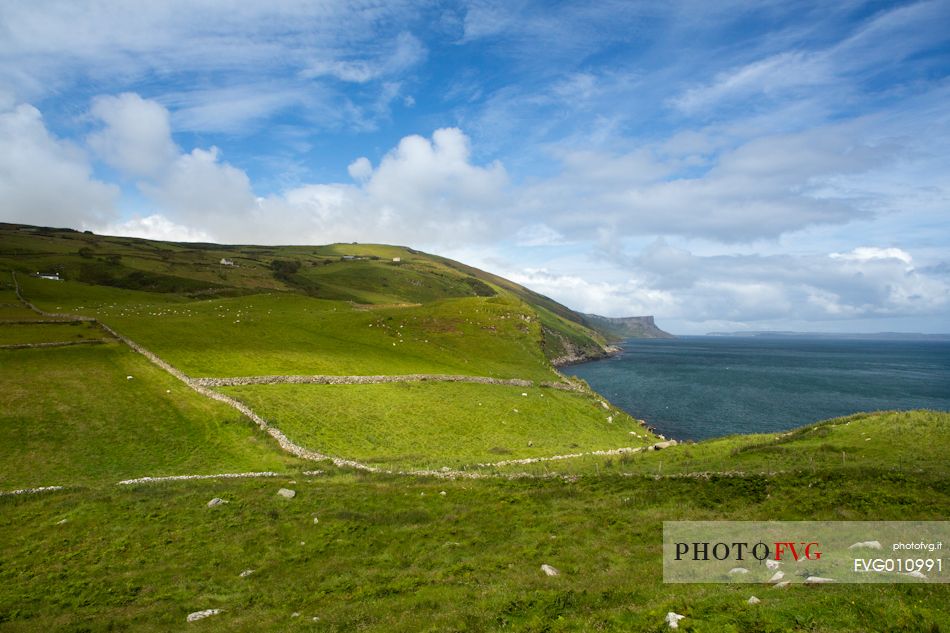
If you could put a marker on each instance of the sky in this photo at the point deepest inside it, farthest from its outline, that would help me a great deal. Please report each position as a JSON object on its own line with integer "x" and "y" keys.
{"x": 724, "y": 166}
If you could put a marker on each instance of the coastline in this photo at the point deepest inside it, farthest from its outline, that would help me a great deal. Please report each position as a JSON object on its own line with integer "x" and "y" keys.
{"x": 585, "y": 356}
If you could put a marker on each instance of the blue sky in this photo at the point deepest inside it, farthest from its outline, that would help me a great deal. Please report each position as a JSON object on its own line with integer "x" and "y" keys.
{"x": 724, "y": 166}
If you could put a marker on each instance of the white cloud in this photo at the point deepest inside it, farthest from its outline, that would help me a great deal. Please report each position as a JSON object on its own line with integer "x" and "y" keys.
{"x": 44, "y": 180}
{"x": 538, "y": 235}
{"x": 155, "y": 227}
{"x": 360, "y": 169}
{"x": 406, "y": 52}
{"x": 868, "y": 253}
{"x": 136, "y": 137}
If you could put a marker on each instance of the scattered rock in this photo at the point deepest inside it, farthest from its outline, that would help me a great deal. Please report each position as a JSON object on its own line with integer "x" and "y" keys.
{"x": 216, "y": 502}
{"x": 772, "y": 564}
{"x": 783, "y": 584}
{"x": 777, "y": 576}
{"x": 610, "y": 419}
{"x": 818, "y": 580}
{"x": 295, "y": 614}
{"x": 550, "y": 571}
{"x": 201, "y": 615}
{"x": 738, "y": 570}
{"x": 661, "y": 445}
{"x": 286, "y": 493}
{"x": 524, "y": 394}
{"x": 246, "y": 573}
{"x": 315, "y": 520}
{"x": 866, "y": 545}
{"x": 60, "y": 522}
{"x": 128, "y": 377}
{"x": 753, "y": 600}
{"x": 442, "y": 493}
{"x": 604, "y": 404}
{"x": 673, "y": 619}
{"x": 915, "y": 574}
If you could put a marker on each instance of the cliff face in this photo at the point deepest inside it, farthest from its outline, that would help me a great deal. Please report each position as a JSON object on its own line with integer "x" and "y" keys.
{"x": 619, "y": 328}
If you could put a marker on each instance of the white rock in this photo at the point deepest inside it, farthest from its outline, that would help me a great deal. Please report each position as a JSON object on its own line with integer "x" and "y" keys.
{"x": 783, "y": 584}
{"x": 818, "y": 580}
{"x": 772, "y": 564}
{"x": 295, "y": 614}
{"x": 777, "y": 576}
{"x": 61, "y": 522}
{"x": 524, "y": 394}
{"x": 246, "y": 573}
{"x": 315, "y": 520}
{"x": 738, "y": 570}
{"x": 866, "y": 545}
{"x": 604, "y": 404}
{"x": 216, "y": 502}
{"x": 201, "y": 615}
{"x": 442, "y": 493}
{"x": 286, "y": 493}
{"x": 128, "y": 377}
{"x": 915, "y": 574}
{"x": 753, "y": 600}
{"x": 673, "y": 619}
{"x": 550, "y": 571}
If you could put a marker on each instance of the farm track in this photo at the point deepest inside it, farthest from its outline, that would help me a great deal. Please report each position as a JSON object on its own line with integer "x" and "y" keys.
{"x": 201, "y": 386}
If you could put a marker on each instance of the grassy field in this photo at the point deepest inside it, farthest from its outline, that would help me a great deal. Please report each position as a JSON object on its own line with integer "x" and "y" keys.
{"x": 292, "y": 334}
{"x": 903, "y": 442}
{"x": 431, "y": 425}
{"x": 71, "y": 416}
{"x": 397, "y": 555}
{"x": 11, "y": 334}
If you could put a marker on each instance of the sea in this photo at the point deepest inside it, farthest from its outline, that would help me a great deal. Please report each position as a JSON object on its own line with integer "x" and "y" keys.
{"x": 698, "y": 387}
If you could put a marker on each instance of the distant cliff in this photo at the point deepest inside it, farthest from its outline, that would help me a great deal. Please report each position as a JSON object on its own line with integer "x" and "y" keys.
{"x": 619, "y": 328}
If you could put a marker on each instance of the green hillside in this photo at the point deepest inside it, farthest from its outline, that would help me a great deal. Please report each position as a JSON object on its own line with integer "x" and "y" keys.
{"x": 437, "y": 457}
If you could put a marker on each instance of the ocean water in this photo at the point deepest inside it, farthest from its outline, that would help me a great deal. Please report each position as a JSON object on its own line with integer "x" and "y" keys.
{"x": 697, "y": 387}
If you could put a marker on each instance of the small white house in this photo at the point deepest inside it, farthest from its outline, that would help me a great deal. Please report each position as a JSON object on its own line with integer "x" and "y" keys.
{"x": 397, "y": 259}
{"x": 53, "y": 276}
{"x": 227, "y": 262}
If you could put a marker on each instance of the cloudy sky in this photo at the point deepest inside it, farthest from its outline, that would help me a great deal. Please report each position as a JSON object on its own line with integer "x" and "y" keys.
{"x": 723, "y": 165}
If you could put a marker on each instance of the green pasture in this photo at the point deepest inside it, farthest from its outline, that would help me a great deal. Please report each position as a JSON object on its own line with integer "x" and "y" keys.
{"x": 52, "y": 332}
{"x": 285, "y": 333}
{"x": 902, "y": 441}
{"x": 398, "y": 555}
{"x": 431, "y": 425}
{"x": 71, "y": 416}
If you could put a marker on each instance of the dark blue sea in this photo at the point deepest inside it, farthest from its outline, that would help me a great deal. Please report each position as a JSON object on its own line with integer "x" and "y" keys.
{"x": 697, "y": 387}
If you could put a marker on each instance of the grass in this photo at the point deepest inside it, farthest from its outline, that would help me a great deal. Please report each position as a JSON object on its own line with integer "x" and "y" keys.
{"x": 396, "y": 555}
{"x": 292, "y": 334}
{"x": 903, "y": 442}
{"x": 70, "y": 416}
{"x": 431, "y": 425}
{"x": 11, "y": 334}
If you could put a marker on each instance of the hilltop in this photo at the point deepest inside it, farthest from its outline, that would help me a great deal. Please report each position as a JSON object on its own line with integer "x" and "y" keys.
{"x": 362, "y": 274}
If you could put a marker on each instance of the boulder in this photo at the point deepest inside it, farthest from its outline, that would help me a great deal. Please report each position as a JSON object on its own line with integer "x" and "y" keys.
{"x": 201, "y": 615}
{"x": 818, "y": 580}
{"x": 866, "y": 545}
{"x": 287, "y": 493}
{"x": 216, "y": 502}
{"x": 550, "y": 571}
{"x": 673, "y": 619}
{"x": 753, "y": 600}
{"x": 777, "y": 576}
{"x": 246, "y": 573}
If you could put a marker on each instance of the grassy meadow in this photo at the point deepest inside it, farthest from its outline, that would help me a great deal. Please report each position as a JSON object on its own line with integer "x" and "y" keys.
{"x": 71, "y": 416}
{"x": 431, "y": 425}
